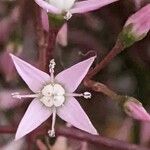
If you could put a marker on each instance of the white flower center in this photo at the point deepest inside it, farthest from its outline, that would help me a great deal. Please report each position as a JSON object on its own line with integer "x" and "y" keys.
{"x": 53, "y": 95}
{"x": 64, "y": 5}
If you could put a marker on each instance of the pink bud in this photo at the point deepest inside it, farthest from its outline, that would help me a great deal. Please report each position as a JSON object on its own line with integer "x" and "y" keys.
{"x": 139, "y": 23}
{"x": 134, "y": 109}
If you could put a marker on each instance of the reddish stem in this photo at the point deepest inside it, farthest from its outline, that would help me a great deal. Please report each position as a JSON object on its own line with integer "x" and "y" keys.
{"x": 116, "y": 50}
{"x": 99, "y": 87}
{"x": 7, "y": 130}
{"x": 45, "y": 41}
{"x": 102, "y": 142}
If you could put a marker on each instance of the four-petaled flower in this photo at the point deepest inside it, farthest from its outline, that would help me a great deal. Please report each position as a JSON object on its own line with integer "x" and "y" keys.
{"x": 53, "y": 95}
{"x": 69, "y": 7}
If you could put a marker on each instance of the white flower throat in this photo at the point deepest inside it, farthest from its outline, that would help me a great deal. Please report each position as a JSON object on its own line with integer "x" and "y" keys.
{"x": 52, "y": 95}
{"x": 63, "y": 5}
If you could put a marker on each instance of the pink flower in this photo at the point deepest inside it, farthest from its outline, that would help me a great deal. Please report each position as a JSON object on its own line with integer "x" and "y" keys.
{"x": 139, "y": 23}
{"x": 53, "y": 95}
{"x": 135, "y": 110}
{"x": 69, "y": 7}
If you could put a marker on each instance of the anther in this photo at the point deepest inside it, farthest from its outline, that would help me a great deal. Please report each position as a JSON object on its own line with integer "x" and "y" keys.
{"x": 68, "y": 15}
{"x": 51, "y": 69}
{"x": 87, "y": 95}
{"x": 52, "y": 64}
{"x": 51, "y": 133}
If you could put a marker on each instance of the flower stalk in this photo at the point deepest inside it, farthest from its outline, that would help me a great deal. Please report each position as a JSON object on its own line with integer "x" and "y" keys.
{"x": 107, "y": 59}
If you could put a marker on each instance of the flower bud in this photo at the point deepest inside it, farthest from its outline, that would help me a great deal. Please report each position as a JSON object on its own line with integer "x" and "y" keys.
{"x": 134, "y": 109}
{"x": 136, "y": 27}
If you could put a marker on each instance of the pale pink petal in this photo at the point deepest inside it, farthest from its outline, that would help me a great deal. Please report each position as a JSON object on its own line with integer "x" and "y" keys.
{"x": 72, "y": 113}
{"x": 33, "y": 77}
{"x": 45, "y": 22}
{"x": 89, "y": 5}
{"x": 139, "y": 15}
{"x": 72, "y": 77}
{"x": 35, "y": 115}
{"x": 62, "y": 37}
{"x": 46, "y": 6}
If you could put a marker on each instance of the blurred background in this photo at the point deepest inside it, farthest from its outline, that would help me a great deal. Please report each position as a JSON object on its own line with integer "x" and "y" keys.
{"x": 90, "y": 33}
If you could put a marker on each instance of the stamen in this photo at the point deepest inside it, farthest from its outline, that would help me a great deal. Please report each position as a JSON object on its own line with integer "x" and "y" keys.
{"x": 18, "y": 96}
{"x": 86, "y": 95}
{"x": 68, "y": 15}
{"x": 52, "y": 131}
{"x": 73, "y": 94}
{"x": 51, "y": 69}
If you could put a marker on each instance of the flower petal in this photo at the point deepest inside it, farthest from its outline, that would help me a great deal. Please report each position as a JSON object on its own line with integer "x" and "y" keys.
{"x": 89, "y": 5}
{"x": 72, "y": 77}
{"x": 46, "y": 6}
{"x": 62, "y": 36}
{"x": 72, "y": 113}
{"x": 44, "y": 18}
{"x": 35, "y": 115}
{"x": 33, "y": 77}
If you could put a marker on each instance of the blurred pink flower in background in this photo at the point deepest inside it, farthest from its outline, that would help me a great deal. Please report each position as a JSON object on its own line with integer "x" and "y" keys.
{"x": 53, "y": 95}
{"x": 135, "y": 110}
{"x": 7, "y": 72}
{"x": 139, "y": 23}
{"x": 69, "y": 7}
{"x": 6, "y": 101}
{"x": 14, "y": 145}
{"x": 145, "y": 133}
{"x": 138, "y": 3}
{"x": 7, "y": 25}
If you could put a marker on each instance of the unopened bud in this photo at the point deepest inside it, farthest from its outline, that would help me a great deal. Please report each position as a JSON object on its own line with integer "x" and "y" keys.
{"x": 134, "y": 109}
{"x": 136, "y": 27}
